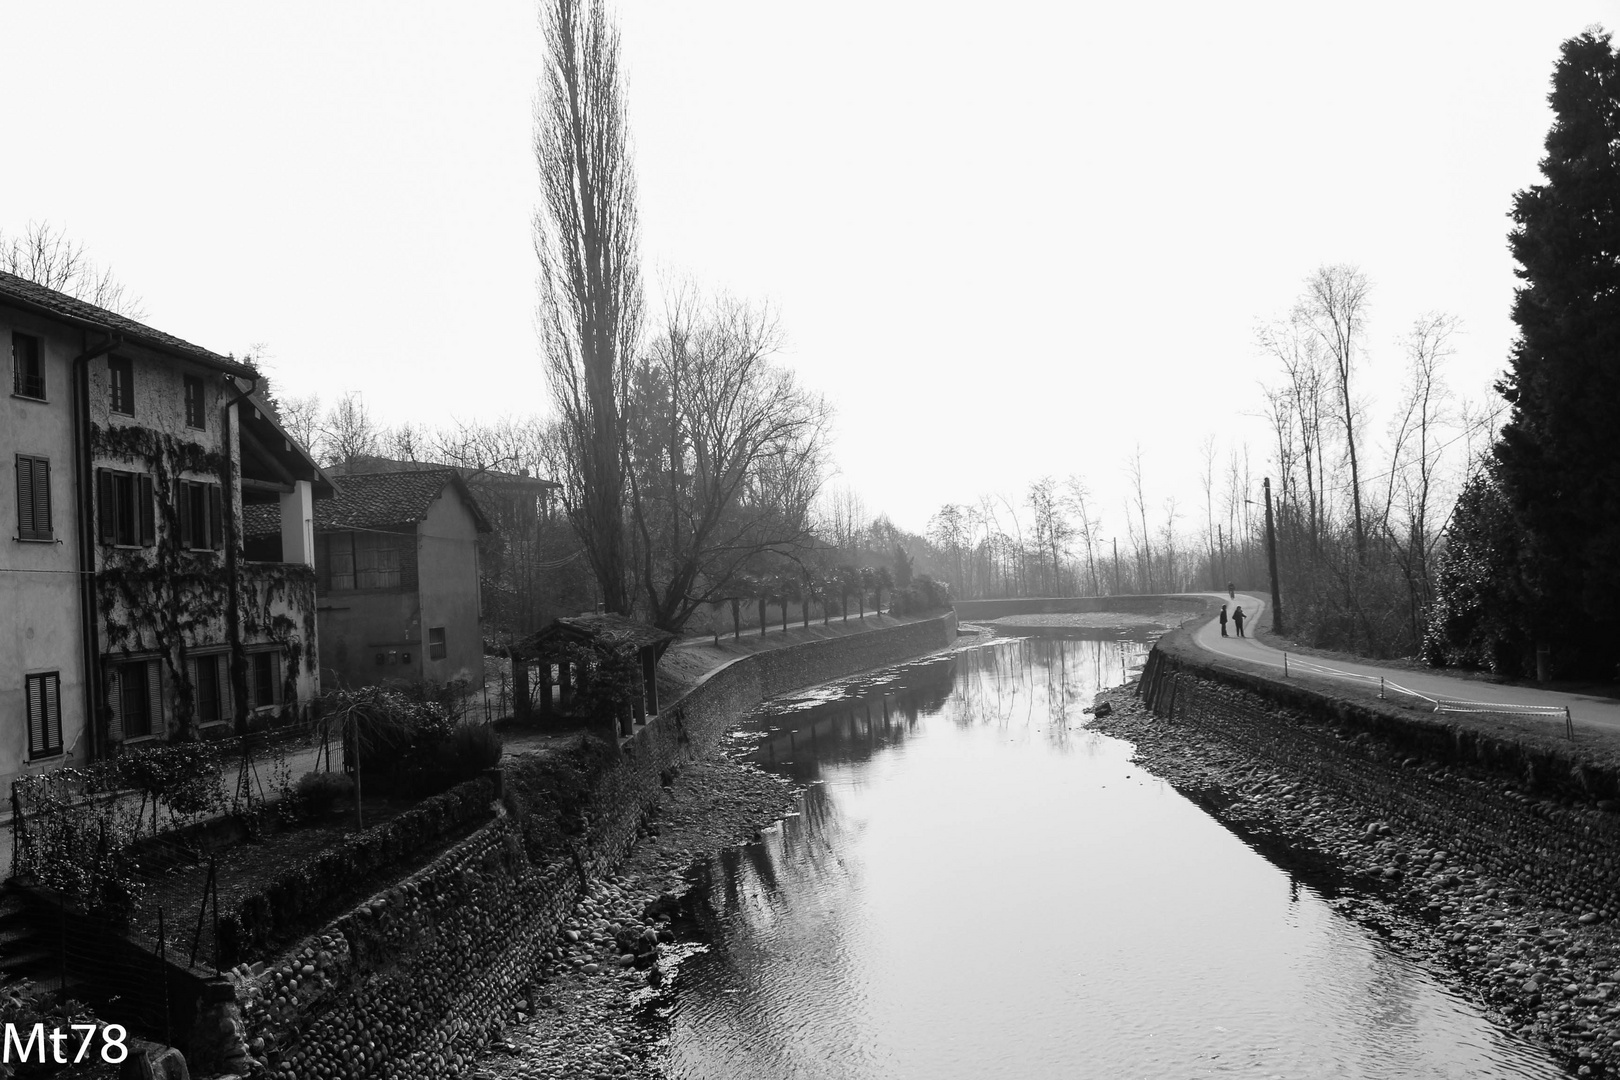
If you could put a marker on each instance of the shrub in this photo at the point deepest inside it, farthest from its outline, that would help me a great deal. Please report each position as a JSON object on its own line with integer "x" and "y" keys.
{"x": 321, "y": 794}
{"x": 471, "y": 749}
{"x": 923, "y": 594}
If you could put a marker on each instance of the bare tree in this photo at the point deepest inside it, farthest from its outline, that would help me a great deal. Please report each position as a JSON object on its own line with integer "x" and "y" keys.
{"x": 1087, "y": 526}
{"x": 1133, "y": 471}
{"x": 1052, "y": 529}
{"x": 726, "y": 456}
{"x": 301, "y": 417}
{"x": 348, "y": 433}
{"x": 586, "y": 237}
{"x": 44, "y": 255}
{"x": 1334, "y": 308}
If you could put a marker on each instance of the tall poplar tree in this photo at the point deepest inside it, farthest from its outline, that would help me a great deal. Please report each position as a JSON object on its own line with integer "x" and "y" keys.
{"x": 590, "y": 274}
{"x": 1558, "y": 460}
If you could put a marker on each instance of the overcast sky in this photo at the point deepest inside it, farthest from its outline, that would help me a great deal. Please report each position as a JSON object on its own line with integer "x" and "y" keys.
{"x": 1005, "y": 241}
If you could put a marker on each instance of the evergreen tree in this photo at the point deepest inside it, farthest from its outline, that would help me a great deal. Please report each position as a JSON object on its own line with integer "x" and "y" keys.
{"x": 1558, "y": 462}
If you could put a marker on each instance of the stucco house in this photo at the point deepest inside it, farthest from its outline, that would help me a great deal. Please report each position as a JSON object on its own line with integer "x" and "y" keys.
{"x": 132, "y": 611}
{"x": 397, "y": 578}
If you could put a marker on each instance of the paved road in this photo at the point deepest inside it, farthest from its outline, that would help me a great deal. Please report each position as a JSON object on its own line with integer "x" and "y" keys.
{"x": 1587, "y": 711}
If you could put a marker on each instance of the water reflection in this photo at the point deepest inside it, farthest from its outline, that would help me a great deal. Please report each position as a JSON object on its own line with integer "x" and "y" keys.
{"x": 975, "y": 885}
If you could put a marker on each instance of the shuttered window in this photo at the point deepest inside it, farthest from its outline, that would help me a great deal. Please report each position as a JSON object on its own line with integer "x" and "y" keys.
{"x": 199, "y": 510}
{"x": 211, "y": 688}
{"x": 135, "y": 698}
{"x": 33, "y": 498}
{"x": 264, "y": 683}
{"x": 44, "y": 715}
{"x": 195, "y": 416}
{"x": 127, "y": 512}
{"x": 436, "y": 647}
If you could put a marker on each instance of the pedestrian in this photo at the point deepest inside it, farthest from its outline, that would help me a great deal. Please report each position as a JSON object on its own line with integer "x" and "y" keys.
{"x": 1223, "y": 620}
{"x": 1232, "y": 589}
{"x": 1237, "y": 620}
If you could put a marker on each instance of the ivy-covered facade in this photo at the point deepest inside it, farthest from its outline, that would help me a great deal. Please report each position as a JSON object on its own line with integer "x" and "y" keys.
{"x": 136, "y": 614}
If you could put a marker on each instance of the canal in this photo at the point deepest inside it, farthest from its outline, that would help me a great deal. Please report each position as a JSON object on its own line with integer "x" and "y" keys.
{"x": 976, "y": 885}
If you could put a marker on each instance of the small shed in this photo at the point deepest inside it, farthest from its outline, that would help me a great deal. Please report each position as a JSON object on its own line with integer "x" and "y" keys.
{"x": 548, "y": 661}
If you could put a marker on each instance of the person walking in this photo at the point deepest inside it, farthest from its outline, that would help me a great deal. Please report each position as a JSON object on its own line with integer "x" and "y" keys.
{"x": 1231, "y": 589}
{"x": 1237, "y": 620}
{"x": 1223, "y": 620}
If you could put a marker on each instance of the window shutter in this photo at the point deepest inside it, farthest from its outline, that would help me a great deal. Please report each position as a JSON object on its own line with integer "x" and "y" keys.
{"x": 36, "y": 715}
{"x": 42, "y": 498}
{"x": 115, "y": 705}
{"x": 109, "y": 506}
{"x": 182, "y": 502}
{"x": 275, "y": 678}
{"x": 53, "y": 713}
{"x": 216, "y": 534}
{"x": 25, "y": 497}
{"x": 253, "y": 683}
{"x": 155, "y": 724}
{"x": 227, "y": 699}
{"x": 147, "y": 511}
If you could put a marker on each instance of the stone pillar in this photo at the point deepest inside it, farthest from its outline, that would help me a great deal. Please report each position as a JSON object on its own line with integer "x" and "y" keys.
{"x": 565, "y": 680}
{"x": 298, "y": 525}
{"x": 545, "y": 689}
{"x": 520, "y": 690}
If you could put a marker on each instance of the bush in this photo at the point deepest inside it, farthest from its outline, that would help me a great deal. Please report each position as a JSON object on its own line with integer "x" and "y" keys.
{"x": 471, "y": 749}
{"x": 321, "y": 794}
{"x": 923, "y": 594}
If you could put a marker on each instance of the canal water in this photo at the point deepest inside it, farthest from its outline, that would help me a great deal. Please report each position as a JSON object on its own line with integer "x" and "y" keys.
{"x": 975, "y": 885}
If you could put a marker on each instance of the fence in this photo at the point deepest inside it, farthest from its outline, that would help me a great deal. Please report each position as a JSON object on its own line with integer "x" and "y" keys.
{"x": 1295, "y": 665}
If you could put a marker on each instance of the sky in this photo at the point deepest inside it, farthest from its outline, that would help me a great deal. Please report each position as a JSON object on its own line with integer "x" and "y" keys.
{"x": 1004, "y": 242}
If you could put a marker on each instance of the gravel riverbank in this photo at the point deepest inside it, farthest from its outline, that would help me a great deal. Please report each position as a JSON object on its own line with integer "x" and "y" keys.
{"x": 585, "y": 1018}
{"x": 1446, "y": 882}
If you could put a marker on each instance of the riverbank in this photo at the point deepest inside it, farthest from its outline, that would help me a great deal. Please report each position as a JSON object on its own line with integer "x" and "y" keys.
{"x": 1483, "y": 883}
{"x": 586, "y": 1017}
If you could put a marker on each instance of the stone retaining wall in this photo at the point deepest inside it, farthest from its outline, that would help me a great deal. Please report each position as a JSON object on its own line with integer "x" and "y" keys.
{"x": 1561, "y": 851}
{"x": 409, "y": 983}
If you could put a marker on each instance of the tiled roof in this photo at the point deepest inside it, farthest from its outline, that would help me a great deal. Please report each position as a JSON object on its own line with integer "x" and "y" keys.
{"x": 27, "y": 294}
{"x": 615, "y": 631}
{"x": 375, "y": 500}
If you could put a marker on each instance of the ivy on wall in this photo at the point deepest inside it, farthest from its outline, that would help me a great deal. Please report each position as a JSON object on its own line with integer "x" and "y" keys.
{"x": 170, "y": 600}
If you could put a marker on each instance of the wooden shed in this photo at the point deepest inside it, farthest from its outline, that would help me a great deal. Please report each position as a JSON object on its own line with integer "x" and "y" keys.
{"x": 545, "y": 665}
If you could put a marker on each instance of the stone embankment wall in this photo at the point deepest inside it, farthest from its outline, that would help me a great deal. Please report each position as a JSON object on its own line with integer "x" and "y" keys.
{"x": 1536, "y": 759}
{"x": 409, "y": 983}
{"x": 1563, "y": 851}
{"x": 1146, "y": 604}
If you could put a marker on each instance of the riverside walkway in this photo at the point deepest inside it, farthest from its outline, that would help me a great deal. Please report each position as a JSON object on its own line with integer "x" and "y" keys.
{"x": 1520, "y": 705}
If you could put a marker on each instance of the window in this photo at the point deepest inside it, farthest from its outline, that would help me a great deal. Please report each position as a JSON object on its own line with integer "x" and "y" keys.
{"x": 44, "y": 715}
{"x": 263, "y": 686}
{"x": 27, "y": 366}
{"x": 127, "y": 514}
{"x": 135, "y": 698}
{"x": 436, "y": 650}
{"x": 121, "y": 384}
{"x": 33, "y": 498}
{"x": 199, "y": 511}
{"x": 362, "y": 561}
{"x": 205, "y": 680}
{"x": 194, "y": 402}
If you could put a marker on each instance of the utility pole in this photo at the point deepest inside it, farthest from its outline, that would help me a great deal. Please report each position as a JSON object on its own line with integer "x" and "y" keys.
{"x": 1220, "y": 540}
{"x": 1271, "y": 558}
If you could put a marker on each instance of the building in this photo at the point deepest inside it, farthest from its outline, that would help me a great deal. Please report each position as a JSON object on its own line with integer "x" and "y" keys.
{"x": 397, "y": 578}
{"x": 527, "y": 579}
{"x": 132, "y": 611}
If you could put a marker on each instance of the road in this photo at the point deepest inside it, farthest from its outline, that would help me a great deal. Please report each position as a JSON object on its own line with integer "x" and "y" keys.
{"x": 1521, "y": 704}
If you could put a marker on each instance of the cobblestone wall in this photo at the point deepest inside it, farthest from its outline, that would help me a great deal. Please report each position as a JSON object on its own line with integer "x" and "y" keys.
{"x": 1562, "y": 850}
{"x": 409, "y": 983}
